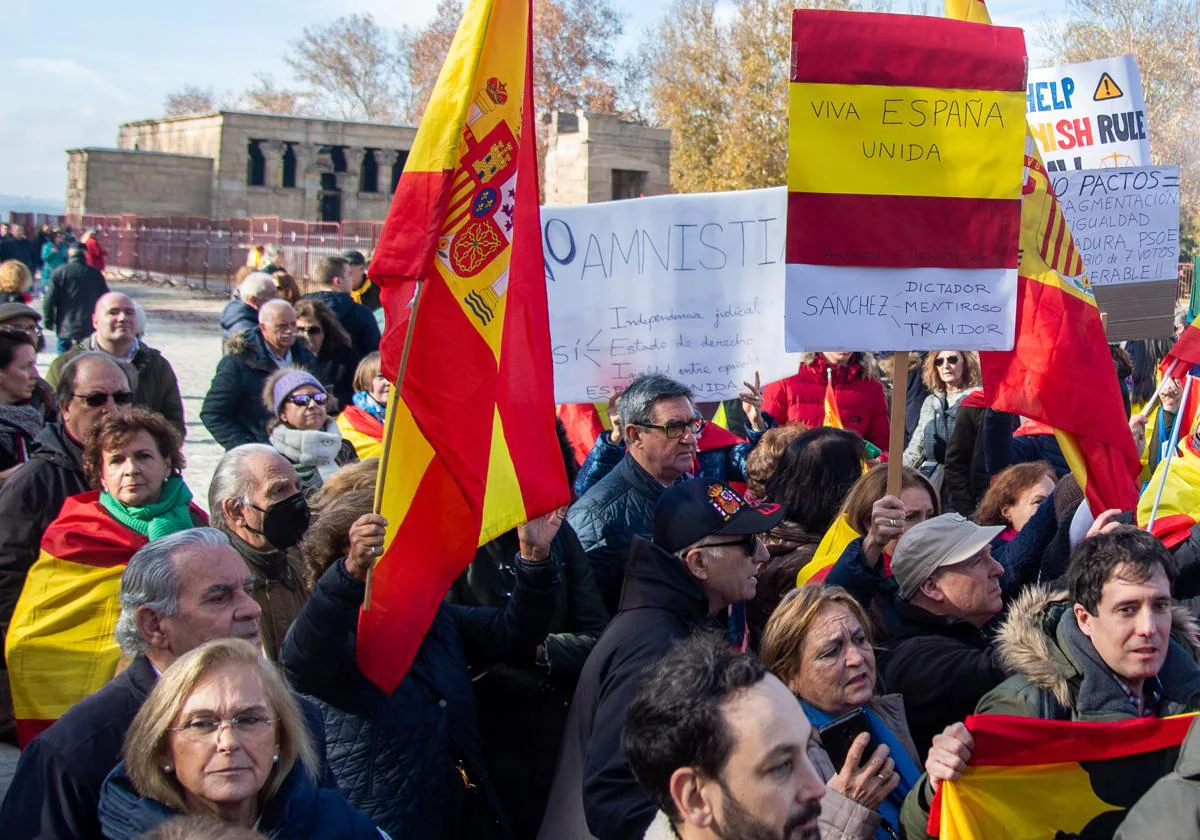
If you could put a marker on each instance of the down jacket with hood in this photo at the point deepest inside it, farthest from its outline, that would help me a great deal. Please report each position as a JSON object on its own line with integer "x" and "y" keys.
{"x": 413, "y": 759}
{"x": 594, "y": 792}
{"x": 237, "y": 317}
{"x": 233, "y": 410}
{"x": 861, "y": 400}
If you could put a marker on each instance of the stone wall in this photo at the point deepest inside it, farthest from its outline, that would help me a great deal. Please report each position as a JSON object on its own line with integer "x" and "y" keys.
{"x": 584, "y": 149}
{"x": 109, "y": 181}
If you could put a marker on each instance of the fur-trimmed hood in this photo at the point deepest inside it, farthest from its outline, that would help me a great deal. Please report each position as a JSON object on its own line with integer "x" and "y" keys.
{"x": 865, "y": 360}
{"x": 1029, "y": 645}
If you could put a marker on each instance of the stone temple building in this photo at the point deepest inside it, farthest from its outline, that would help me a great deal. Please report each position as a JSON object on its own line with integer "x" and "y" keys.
{"x": 235, "y": 164}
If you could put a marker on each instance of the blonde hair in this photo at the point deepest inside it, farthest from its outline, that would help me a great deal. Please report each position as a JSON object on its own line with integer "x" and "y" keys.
{"x": 145, "y": 750}
{"x": 972, "y": 378}
{"x": 15, "y": 277}
{"x": 873, "y": 486}
{"x": 764, "y": 458}
{"x": 367, "y": 370}
{"x": 360, "y": 475}
{"x": 782, "y": 646}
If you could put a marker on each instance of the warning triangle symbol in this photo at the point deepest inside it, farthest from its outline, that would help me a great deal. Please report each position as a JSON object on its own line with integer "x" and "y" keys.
{"x": 1106, "y": 89}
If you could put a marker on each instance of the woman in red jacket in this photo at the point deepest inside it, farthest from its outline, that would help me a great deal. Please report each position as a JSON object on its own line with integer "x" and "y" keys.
{"x": 861, "y": 401}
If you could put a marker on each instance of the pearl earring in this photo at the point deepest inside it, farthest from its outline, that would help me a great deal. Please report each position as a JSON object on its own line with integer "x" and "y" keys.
{"x": 167, "y": 768}
{"x": 275, "y": 758}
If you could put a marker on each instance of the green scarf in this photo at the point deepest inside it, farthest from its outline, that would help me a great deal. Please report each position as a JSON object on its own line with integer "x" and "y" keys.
{"x": 163, "y": 518}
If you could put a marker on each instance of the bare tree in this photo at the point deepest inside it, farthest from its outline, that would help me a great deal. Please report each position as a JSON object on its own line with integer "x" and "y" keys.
{"x": 351, "y": 68}
{"x": 269, "y": 98}
{"x": 573, "y": 61}
{"x": 189, "y": 99}
{"x": 1164, "y": 37}
{"x": 425, "y": 52}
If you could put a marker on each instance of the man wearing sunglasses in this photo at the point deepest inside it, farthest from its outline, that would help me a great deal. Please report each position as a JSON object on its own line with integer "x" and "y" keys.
{"x": 115, "y": 320}
{"x": 90, "y": 386}
{"x": 704, "y": 557}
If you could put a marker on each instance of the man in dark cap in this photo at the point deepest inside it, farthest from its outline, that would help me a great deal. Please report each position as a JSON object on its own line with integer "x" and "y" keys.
{"x": 704, "y": 557}
{"x": 361, "y": 289}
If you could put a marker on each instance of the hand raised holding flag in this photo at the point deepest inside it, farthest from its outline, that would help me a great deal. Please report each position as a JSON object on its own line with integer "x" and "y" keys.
{"x": 536, "y": 535}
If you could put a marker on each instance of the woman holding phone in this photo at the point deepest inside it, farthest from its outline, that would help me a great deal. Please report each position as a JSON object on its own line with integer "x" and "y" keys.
{"x": 818, "y": 642}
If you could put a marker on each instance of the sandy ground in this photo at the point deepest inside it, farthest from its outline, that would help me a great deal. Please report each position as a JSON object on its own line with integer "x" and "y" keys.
{"x": 182, "y": 324}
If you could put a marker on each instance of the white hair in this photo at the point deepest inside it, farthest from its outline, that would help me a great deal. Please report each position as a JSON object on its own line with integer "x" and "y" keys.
{"x": 232, "y": 481}
{"x": 255, "y": 286}
{"x": 271, "y": 305}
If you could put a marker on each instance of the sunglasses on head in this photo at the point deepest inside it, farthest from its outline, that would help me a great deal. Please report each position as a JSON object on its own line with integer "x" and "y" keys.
{"x": 946, "y": 360}
{"x": 99, "y": 398}
{"x": 304, "y": 399}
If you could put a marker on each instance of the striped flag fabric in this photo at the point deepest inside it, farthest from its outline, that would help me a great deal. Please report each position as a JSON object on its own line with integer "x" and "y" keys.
{"x": 1030, "y": 779}
{"x": 1060, "y": 343}
{"x": 60, "y": 646}
{"x": 1180, "y": 502}
{"x": 840, "y": 534}
{"x": 1185, "y": 351}
{"x": 833, "y": 417}
{"x": 471, "y": 450}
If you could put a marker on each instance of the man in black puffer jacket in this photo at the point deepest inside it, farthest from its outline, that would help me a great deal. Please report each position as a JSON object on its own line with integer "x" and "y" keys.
{"x": 71, "y": 298}
{"x": 330, "y": 277}
{"x": 412, "y": 759}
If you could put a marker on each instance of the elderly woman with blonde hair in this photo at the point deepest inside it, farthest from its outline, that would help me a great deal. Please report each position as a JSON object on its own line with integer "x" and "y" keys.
{"x": 819, "y": 643}
{"x": 221, "y": 736}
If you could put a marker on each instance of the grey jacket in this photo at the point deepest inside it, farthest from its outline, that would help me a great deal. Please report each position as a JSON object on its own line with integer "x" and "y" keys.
{"x": 1172, "y": 807}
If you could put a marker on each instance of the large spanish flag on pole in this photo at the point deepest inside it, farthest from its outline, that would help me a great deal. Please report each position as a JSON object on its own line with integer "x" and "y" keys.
{"x": 1033, "y": 779}
{"x": 1058, "y": 371}
{"x": 60, "y": 645}
{"x": 471, "y": 450}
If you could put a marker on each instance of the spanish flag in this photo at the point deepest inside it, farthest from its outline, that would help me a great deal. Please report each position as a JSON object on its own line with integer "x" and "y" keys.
{"x": 1032, "y": 779}
{"x": 1185, "y": 351}
{"x": 832, "y": 416}
{"x": 1180, "y": 502}
{"x": 840, "y": 534}
{"x": 60, "y": 645}
{"x": 471, "y": 450}
{"x": 1060, "y": 343}
{"x": 364, "y": 432}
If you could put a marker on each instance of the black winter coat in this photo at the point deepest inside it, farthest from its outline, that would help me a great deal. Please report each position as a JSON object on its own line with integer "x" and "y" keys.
{"x": 335, "y": 369}
{"x": 358, "y": 320}
{"x": 56, "y": 789}
{"x": 29, "y": 501}
{"x": 237, "y": 317}
{"x": 966, "y": 478}
{"x": 594, "y": 791}
{"x": 942, "y": 666}
{"x": 71, "y": 299}
{"x": 1001, "y": 448}
{"x": 398, "y": 756}
{"x": 523, "y": 708}
{"x": 233, "y": 410}
{"x": 607, "y": 517}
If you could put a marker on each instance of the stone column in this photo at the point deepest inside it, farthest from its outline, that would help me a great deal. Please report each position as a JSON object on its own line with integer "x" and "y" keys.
{"x": 350, "y": 180}
{"x": 310, "y": 164}
{"x": 272, "y": 151}
{"x": 389, "y": 158}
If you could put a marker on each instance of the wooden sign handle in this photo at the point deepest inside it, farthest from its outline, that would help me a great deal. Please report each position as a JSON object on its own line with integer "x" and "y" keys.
{"x": 896, "y": 438}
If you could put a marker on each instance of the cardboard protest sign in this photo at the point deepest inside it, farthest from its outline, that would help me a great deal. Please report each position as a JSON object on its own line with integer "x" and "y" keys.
{"x": 1089, "y": 115}
{"x": 904, "y": 182}
{"x": 1125, "y": 221}
{"x": 690, "y": 286}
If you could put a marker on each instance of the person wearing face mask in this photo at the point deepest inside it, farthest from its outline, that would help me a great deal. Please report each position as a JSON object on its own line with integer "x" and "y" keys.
{"x": 361, "y": 422}
{"x": 301, "y": 429}
{"x": 257, "y": 500}
{"x": 59, "y": 646}
{"x": 819, "y": 643}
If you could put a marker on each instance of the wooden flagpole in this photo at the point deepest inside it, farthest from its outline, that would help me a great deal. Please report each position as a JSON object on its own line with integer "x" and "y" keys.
{"x": 896, "y": 437}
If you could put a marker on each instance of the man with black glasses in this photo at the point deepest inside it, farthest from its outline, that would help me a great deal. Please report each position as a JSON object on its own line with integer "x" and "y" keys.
{"x": 703, "y": 558}
{"x": 90, "y": 386}
{"x": 660, "y": 429}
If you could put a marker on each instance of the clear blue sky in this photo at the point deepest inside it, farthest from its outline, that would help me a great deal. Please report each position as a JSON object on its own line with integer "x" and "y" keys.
{"x": 83, "y": 68}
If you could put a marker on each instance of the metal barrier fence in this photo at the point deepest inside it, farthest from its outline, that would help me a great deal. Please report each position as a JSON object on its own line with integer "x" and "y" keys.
{"x": 212, "y": 250}
{"x": 209, "y": 251}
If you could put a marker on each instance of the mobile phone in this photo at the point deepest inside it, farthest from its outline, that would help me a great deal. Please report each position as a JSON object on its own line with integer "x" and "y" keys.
{"x": 837, "y": 736}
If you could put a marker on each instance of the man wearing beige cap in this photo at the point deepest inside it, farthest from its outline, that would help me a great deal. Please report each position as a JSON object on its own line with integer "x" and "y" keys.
{"x": 942, "y": 659}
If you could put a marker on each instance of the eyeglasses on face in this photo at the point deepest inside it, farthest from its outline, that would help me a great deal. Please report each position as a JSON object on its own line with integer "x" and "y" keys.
{"x": 748, "y": 544}
{"x": 943, "y": 361}
{"x": 244, "y": 726}
{"x": 676, "y": 429}
{"x": 313, "y": 330}
{"x": 99, "y": 398}
{"x": 304, "y": 399}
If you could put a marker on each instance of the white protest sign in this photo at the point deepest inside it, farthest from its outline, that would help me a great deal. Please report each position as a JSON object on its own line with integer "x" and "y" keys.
{"x": 690, "y": 286}
{"x": 1125, "y": 221}
{"x": 1089, "y": 115}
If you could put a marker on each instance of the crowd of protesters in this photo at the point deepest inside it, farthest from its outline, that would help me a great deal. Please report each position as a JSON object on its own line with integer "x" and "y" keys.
{"x": 734, "y": 631}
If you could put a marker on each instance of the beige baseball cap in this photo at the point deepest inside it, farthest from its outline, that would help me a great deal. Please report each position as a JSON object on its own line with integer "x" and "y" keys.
{"x": 942, "y": 541}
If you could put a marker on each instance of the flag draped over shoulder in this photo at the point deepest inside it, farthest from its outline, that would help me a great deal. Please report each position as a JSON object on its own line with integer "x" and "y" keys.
{"x": 60, "y": 646}
{"x": 840, "y": 534}
{"x": 1032, "y": 779}
{"x": 471, "y": 450}
{"x": 1060, "y": 342}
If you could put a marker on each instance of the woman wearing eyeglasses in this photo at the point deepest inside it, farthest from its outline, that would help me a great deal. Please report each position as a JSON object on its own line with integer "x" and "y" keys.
{"x": 221, "y": 736}
{"x": 328, "y": 340}
{"x": 950, "y": 375}
{"x": 22, "y": 410}
{"x": 301, "y": 430}
{"x": 60, "y": 645}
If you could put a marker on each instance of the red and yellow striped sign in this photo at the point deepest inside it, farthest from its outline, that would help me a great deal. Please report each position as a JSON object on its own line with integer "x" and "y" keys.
{"x": 1030, "y": 779}
{"x": 60, "y": 645}
{"x": 908, "y": 162}
{"x": 1060, "y": 342}
{"x": 470, "y": 444}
